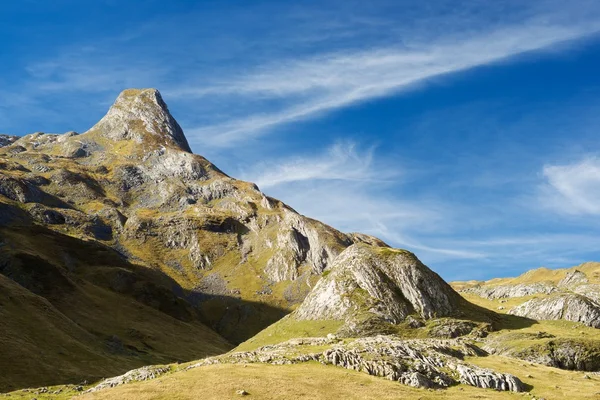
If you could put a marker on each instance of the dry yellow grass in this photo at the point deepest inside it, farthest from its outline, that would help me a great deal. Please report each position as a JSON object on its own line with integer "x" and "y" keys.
{"x": 553, "y": 276}
{"x": 546, "y": 382}
{"x": 300, "y": 381}
{"x": 315, "y": 381}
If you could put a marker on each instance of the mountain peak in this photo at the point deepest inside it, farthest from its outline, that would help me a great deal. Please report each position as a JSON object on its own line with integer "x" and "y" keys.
{"x": 141, "y": 115}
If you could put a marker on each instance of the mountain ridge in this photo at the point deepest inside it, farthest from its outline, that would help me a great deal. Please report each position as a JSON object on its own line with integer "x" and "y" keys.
{"x": 125, "y": 217}
{"x": 130, "y": 184}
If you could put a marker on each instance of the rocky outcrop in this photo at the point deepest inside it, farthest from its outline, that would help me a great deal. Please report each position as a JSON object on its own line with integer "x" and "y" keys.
{"x": 7, "y": 140}
{"x": 573, "y": 278}
{"x": 366, "y": 282}
{"x": 138, "y": 113}
{"x": 510, "y": 291}
{"x": 423, "y": 364}
{"x": 571, "y": 307}
{"x": 427, "y": 363}
{"x": 591, "y": 291}
{"x": 136, "y": 375}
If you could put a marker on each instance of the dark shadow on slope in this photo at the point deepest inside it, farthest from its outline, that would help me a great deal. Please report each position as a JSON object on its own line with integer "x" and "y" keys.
{"x": 89, "y": 313}
{"x": 235, "y": 319}
{"x": 477, "y": 313}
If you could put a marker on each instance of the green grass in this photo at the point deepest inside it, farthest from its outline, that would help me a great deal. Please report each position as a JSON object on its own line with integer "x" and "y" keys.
{"x": 289, "y": 328}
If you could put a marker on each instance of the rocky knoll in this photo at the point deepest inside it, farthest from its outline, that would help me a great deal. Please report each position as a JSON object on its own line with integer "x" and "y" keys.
{"x": 366, "y": 283}
{"x": 571, "y": 295}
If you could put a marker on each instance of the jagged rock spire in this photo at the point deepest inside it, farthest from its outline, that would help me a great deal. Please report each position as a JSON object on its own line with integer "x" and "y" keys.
{"x": 141, "y": 115}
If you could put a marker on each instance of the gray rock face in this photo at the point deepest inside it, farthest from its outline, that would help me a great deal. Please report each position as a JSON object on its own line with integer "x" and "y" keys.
{"x": 572, "y": 279}
{"x": 7, "y": 140}
{"x": 572, "y": 307}
{"x": 388, "y": 284}
{"x": 20, "y": 190}
{"x": 591, "y": 291}
{"x": 303, "y": 241}
{"x": 510, "y": 291}
{"x": 137, "y": 113}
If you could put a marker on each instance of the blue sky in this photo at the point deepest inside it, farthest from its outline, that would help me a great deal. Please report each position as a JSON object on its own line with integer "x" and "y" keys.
{"x": 465, "y": 131}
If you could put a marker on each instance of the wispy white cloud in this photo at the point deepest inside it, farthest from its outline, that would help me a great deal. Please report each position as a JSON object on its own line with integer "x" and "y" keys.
{"x": 340, "y": 187}
{"x": 231, "y": 79}
{"x": 342, "y": 161}
{"x": 573, "y": 188}
{"x": 308, "y": 87}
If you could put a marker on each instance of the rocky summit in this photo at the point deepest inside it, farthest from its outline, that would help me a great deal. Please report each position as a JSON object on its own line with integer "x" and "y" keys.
{"x": 121, "y": 249}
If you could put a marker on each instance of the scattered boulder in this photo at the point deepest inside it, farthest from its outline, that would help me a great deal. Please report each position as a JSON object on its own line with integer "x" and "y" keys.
{"x": 449, "y": 329}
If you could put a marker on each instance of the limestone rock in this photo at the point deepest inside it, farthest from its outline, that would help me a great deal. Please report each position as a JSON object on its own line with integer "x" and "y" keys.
{"x": 573, "y": 278}
{"x": 487, "y": 379}
{"x": 136, "y": 375}
{"x": 7, "y": 140}
{"x": 425, "y": 363}
{"x": 591, "y": 291}
{"x": 383, "y": 283}
{"x": 510, "y": 291}
{"x": 139, "y": 113}
{"x": 572, "y": 307}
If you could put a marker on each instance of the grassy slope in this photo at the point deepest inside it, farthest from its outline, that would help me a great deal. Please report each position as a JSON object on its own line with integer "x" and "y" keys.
{"x": 316, "y": 381}
{"x": 519, "y": 338}
{"x": 288, "y": 328}
{"x": 65, "y": 332}
{"x": 591, "y": 269}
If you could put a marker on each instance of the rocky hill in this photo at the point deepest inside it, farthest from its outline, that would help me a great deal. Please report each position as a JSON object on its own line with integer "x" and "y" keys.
{"x": 571, "y": 294}
{"x": 563, "y": 301}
